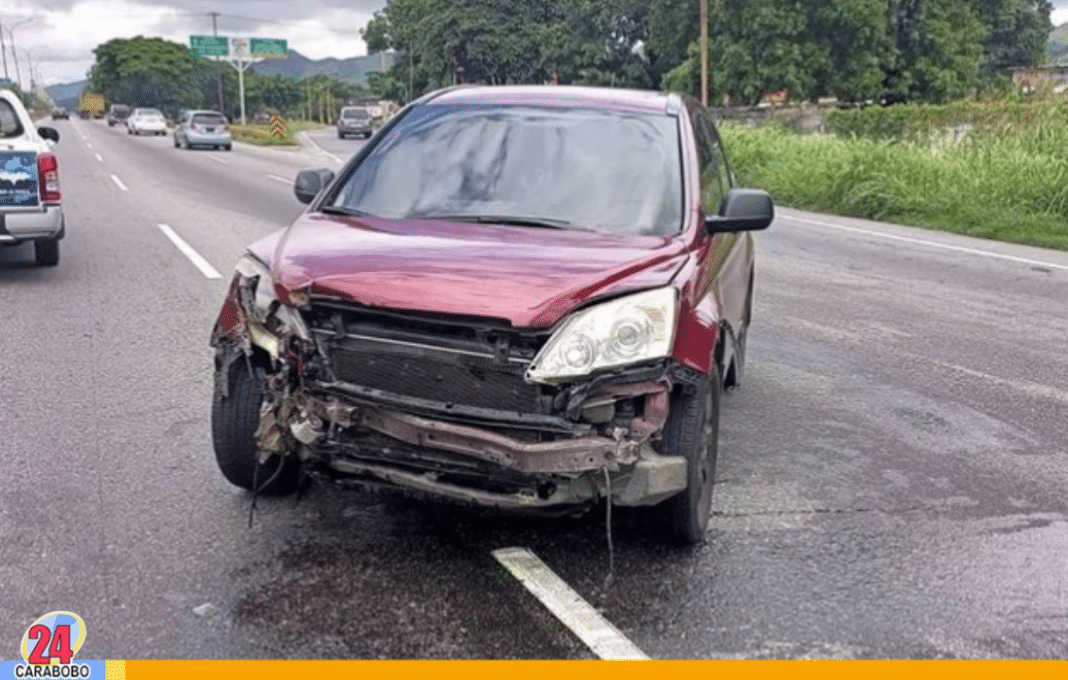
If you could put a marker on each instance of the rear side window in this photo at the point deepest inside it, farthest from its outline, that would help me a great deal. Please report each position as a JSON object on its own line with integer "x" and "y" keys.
{"x": 208, "y": 119}
{"x": 10, "y": 125}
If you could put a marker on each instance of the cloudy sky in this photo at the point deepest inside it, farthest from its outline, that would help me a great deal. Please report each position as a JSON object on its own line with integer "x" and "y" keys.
{"x": 60, "y": 35}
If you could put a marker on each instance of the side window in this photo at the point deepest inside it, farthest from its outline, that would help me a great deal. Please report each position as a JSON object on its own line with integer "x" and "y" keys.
{"x": 10, "y": 125}
{"x": 715, "y": 179}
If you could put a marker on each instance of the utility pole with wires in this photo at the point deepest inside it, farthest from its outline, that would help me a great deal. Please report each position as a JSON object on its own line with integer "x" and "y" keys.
{"x": 218, "y": 71}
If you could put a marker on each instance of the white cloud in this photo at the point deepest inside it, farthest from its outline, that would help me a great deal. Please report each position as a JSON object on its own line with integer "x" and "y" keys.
{"x": 62, "y": 34}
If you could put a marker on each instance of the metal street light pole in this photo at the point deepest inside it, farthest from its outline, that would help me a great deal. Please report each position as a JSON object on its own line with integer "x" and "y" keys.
{"x": 14, "y": 57}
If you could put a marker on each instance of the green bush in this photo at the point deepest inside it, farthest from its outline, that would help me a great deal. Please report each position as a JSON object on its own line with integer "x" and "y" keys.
{"x": 1012, "y": 186}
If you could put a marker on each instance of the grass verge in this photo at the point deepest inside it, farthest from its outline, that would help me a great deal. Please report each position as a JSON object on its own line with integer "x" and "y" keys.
{"x": 1010, "y": 187}
{"x": 261, "y": 134}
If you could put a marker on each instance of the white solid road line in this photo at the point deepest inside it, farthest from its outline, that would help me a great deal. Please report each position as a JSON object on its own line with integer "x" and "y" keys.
{"x": 219, "y": 160}
{"x": 199, "y": 262}
{"x": 930, "y": 244}
{"x": 283, "y": 180}
{"x": 100, "y": 158}
{"x": 320, "y": 149}
{"x": 118, "y": 183}
{"x": 578, "y": 615}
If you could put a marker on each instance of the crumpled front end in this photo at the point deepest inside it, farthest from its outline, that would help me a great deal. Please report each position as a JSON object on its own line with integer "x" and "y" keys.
{"x": 442, "y": 405}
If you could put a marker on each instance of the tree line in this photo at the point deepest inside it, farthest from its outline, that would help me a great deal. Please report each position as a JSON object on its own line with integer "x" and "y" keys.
{"x": 158, "y": 73}
{"x": 855, "y": 50}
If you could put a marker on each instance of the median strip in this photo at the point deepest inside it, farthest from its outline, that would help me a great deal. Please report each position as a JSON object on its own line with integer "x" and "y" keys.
{"x": 199, "y": 262}
{"x": 579, "y": 616}
{"x": 118, "y": 183}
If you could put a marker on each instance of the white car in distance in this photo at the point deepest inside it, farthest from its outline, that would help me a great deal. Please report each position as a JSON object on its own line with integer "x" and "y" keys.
{"x": 146, "y": 121}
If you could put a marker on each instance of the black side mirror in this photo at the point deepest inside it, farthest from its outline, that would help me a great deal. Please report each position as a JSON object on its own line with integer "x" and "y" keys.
{"x": 742, "y": 210}
{"x": 310, "y": 182}
{"x": 48, "y": 133}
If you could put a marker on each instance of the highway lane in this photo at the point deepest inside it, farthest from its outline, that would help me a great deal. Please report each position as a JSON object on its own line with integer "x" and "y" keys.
{"x": 890, "y": 480}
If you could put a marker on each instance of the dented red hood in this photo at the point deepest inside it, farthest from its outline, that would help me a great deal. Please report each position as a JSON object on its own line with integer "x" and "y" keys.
{"x": 530, "y": 276}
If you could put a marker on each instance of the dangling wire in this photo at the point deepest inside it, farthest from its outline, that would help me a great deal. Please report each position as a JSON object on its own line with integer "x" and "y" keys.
{"x": 256, "y": 490}
{"x": 608, "y": 530}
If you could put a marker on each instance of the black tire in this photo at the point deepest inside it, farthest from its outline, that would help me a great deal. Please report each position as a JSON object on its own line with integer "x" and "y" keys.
{"x": 229, "y": 147}
{"x": 234, "y": 420}
{"x": 692, "y": 431}
{"x": 340, "y": 136}
{"x": 176, "y": 144}
{"x": 46, "y": 252}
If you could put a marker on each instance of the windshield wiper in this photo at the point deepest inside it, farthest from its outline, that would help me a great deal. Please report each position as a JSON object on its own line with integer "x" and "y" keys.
{"x": 342, "y": 210}
{"x": 516, "y": 220}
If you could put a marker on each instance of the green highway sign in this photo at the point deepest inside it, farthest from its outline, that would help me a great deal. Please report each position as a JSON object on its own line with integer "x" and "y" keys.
{"x": 267, "y": 48}
{"x": 210, "y": 45}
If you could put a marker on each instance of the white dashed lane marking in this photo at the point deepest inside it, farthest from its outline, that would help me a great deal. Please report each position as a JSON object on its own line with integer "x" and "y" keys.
{"x": 199, "y": 262}
{"x": 574, "y": 612}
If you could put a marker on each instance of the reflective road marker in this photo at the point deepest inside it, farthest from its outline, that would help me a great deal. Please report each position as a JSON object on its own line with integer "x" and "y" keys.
{"x": 578, "y": 615}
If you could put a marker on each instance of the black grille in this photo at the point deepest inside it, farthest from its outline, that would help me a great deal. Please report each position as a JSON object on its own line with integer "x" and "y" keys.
{"x": 431, "y": 373}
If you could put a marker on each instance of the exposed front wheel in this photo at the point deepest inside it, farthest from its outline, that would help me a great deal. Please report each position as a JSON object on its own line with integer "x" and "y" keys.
{"x": 234, "y": 419}
{"x": 692, "y": 431}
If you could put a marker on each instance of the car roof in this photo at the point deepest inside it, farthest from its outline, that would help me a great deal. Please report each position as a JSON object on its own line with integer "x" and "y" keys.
{"x": 572, "y": 96}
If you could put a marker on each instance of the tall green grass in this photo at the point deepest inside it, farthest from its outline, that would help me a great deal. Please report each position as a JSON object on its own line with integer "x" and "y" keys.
{"x": 1010, "y": 186}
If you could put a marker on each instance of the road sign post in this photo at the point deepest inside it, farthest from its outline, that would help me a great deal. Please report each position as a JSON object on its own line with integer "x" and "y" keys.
{"x": 240, "y": 53}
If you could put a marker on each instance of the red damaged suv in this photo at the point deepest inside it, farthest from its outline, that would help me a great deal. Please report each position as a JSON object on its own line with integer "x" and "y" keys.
{"x": 523, "y": 297}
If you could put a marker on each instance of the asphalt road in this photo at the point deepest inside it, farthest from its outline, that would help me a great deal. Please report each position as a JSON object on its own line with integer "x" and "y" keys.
{"x": 891, "y": 479}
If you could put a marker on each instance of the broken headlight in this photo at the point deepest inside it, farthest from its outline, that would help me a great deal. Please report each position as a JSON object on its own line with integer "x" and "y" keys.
{"x": 625, "y": 331}
{"x": 261, "y": 303}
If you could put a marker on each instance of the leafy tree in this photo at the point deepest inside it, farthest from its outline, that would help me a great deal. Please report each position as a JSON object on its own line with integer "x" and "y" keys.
{"x": 938, "y": 47}
{"x": 1018, "y": 31}
{"x": 150, "y": 72}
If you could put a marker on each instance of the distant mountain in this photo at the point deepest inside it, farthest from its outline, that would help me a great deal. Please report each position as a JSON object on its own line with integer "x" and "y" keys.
{"x": 67, "y": 94}
{"x": 1057, "y": 46}
{"x": 353, "y": 70}
{"x": 295, "y": 65}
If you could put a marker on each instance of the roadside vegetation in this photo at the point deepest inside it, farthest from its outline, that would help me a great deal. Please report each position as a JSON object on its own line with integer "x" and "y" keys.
{"x": 260, "y": 134}
{"x": 1001, "y": 172}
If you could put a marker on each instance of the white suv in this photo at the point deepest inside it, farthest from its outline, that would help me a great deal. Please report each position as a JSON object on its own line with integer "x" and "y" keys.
{"x": 30, "y": 199}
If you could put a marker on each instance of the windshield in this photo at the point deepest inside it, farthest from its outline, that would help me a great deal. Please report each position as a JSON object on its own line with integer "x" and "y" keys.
{"x": 148, "y": 113}
{"x": 605, "y": 170}
{"x": 355, "y": 113}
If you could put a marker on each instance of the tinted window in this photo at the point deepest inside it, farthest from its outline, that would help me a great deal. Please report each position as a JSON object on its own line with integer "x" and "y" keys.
{"x": 714, "y": 175}
{"x": 355, "y": 113}
{"x": 606, "y": 170}
{"x": 10, "y": 125}
{"x": 208, "y": 119}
